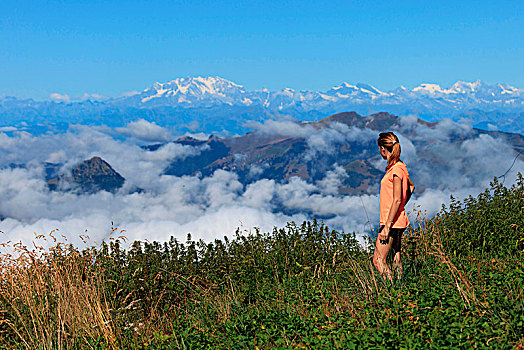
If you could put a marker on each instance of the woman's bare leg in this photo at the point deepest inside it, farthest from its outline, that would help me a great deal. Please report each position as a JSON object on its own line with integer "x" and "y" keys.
{"x": 397, "y": 263}
{"x": 380, "y": 255}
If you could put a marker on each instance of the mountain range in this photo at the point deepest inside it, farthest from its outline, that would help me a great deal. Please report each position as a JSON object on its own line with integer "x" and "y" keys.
{"x": 283, "y": 155}
{"x": 347, "y": 166}
{"x": 217, "y": 105}
{"x": 212, "y": 91}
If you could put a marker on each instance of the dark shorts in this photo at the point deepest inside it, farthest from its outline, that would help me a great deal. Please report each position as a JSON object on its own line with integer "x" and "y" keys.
{"x": 394, "y": 233}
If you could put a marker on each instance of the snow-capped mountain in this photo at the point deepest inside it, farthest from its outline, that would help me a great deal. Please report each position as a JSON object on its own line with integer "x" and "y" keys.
{"x": 213, "y": 101}
{"x": 477, "y": 92}
{"x": 213, "y": 91}
{"x": 190, "y": 92}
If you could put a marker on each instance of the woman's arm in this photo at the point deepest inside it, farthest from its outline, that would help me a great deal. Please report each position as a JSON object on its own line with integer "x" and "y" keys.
{"x": 411, "y": 189}
{"x": 397, "y": 199}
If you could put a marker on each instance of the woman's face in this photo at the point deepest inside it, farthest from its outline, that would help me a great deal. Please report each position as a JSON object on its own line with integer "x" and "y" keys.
{"x": 383, "y": 152}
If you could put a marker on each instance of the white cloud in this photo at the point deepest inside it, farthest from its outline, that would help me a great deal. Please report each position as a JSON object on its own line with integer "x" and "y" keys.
{"x": 145, "y": 131}
{"x": 260, "y": 194}
{"x": 92, "y": 97}
{"x": 215, "y": 206}
{"x": 319, "y": 140}
{"x": 199, "y": 136}
{"x": 256, "y": 170}
{"x": 57, "y": 157}
{"x": 333, "y": 180}
{"x": 130, "y": 93}
{"x": 59, "y": 97}
{"x": 193, "y": 125}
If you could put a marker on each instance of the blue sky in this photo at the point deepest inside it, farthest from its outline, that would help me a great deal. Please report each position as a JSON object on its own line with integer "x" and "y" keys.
{"x": 110, "y": 47}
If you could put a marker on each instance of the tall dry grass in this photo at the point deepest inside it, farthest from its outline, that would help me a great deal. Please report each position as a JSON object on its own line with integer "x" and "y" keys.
{"x": 428, "y": 238}
{"x": 52, "y": 299}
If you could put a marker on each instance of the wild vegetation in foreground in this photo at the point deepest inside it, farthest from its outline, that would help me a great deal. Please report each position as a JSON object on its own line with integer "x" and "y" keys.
{"x": 301, "y": 286}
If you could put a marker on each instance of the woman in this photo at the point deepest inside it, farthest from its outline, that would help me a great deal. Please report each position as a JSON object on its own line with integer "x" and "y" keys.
{"x": 395, "y": 191}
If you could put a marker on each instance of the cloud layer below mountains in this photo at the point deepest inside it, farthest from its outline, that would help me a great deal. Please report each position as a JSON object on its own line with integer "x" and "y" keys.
{"x": 215, "y": 206}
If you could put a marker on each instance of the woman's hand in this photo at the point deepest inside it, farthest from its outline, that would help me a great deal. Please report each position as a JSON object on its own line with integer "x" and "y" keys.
{"x": 384, "y": 234}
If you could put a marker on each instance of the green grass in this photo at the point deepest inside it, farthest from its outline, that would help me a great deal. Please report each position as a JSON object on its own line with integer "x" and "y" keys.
{"x": 300, "y": 286}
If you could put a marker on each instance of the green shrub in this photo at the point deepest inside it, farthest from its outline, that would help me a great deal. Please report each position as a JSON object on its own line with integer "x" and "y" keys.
{"x": 491, "y": 224}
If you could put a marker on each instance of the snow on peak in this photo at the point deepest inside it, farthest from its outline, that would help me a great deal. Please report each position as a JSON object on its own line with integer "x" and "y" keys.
{"x": 207, "y": 91}
{"x": 369, "y": 89}
{"x": 508, "y": 89}
{"x": 186, "y": 89}
{"x": 345, "y": 87}
{"x": 429, "y": 89}
{"x": 465, "y": 87}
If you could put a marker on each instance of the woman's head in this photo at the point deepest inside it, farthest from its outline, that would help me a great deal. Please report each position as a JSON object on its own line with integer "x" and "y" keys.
{"x": 389, "y": 147}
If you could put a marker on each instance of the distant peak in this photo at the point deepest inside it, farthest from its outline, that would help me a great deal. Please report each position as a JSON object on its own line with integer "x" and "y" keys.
{"x": 186, "y": 90}
{"x": 96, "y": 174}
{"x": 347, "y": 85}
{"x": 362, "y": 87}
{"x": 464, "y": 86}
{"x": 187, "y": 138}
{"x": 344, "y": 85}
{"x": 184, "y": 81}
{"x": 95, "y": 162}
{"x": 370, "y": 88}
{"x": 429, "y": 88}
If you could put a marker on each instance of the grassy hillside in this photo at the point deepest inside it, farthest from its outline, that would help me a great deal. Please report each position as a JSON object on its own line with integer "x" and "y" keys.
{"x": 300, "y": 286}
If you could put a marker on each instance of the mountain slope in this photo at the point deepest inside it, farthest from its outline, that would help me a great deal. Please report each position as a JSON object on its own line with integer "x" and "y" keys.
{"x": 90, "y": 176}
{"x": 281, "y": 155}
{"x": 216, "y": 105}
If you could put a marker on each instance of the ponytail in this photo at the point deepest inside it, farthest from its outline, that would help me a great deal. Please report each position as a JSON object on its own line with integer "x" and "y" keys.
{"x": 390, "y": 141}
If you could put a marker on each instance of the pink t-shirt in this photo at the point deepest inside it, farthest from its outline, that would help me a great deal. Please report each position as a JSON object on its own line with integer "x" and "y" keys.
{"x": 386, "y": 195}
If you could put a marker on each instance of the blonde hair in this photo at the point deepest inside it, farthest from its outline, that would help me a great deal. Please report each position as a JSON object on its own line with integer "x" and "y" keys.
{"x": 389, "y": 141}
